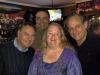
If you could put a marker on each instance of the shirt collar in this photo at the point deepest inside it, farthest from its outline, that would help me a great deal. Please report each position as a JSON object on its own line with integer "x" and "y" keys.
{"x": 18, "y": 47}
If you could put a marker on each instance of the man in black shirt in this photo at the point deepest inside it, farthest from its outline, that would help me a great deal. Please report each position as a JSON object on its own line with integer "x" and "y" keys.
{"x": 87, "y": 45}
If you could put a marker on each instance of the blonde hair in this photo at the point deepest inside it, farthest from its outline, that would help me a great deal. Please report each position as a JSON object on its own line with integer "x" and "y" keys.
{"x": 64, "y": 42}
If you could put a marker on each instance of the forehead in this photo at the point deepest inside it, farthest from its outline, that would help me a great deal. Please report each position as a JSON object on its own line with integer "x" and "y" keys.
{"x": 75, "y": 20}
{"x": 53, "y": 28}
{"x": 41, "y": 14}
{"x": 27, "y": 28}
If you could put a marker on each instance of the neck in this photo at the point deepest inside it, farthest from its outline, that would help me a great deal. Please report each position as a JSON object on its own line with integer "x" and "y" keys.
{"x": 16, "y": 44}
{"x": 54, "y": 49}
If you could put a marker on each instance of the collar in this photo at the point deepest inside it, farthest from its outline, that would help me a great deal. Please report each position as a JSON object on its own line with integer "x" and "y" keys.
{"x": 18, "y": 47}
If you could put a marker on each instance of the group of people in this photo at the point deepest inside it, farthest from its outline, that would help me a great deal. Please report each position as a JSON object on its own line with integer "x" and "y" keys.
{"x": 43, "y": 49}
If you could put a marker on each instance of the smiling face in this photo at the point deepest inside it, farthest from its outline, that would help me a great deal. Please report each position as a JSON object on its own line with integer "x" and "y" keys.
{"x": 53, "y": 36}
{"x": 76, "y": 28}
{"x": 42, "y": 20}
{"x": 26, "y": 36}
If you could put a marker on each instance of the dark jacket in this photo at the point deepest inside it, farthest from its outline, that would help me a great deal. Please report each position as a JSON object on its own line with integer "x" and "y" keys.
{"x": 14, "y": 62}
{"x": 89, "y": 55}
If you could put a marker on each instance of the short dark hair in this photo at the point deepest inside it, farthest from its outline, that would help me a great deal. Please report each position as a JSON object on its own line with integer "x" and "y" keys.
{"x": 43, "y": 10}
{"x": 26, "y": 24}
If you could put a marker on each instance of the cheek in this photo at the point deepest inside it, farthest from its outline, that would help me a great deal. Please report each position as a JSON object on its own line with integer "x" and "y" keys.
{"x": 46, "y": 21}
{"x": 38, "y": 22}
{"x": 48, "y": 39}
{"x": 79, "y": 30}
{"x": 23, "y": 39}
{"x": 59, "y": 40}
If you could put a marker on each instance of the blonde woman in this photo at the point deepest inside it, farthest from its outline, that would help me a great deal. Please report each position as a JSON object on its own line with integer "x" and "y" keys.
{"x": 56, "y": 56}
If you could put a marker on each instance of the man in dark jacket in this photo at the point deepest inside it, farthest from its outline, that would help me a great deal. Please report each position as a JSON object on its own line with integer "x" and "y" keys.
{"x": 16, "y": 55}
{"x": 87, "y": 45}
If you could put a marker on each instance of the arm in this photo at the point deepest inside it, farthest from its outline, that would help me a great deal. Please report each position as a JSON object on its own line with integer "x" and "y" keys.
{"x": 74, "y": 67}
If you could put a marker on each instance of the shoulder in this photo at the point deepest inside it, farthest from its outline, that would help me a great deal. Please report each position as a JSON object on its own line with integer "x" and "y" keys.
{"x": 93, "y": 37}
{"x": 93, "y": 40}
{"x": 69, "y": 53}
{"x": 30, "y": 51}
{"x": 38, "y": 54}
{"x": 67, "y": 56}
{"x": 6, "y": 49}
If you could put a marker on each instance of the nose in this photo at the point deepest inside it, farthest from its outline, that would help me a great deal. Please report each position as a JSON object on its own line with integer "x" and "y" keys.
{"x": 41, "y": 20}
{"x": 73, "y": 30}
{"x": 53, "y": 37}
{"x": 30, "y": 38}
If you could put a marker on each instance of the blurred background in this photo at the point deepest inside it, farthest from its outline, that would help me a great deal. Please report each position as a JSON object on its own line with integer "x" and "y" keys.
{"x": 14, "y": 12}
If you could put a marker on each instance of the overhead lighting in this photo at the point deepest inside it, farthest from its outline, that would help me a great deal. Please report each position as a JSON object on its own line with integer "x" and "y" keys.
{"x": 80, "y": 1}
{"x": 99, "y": 17}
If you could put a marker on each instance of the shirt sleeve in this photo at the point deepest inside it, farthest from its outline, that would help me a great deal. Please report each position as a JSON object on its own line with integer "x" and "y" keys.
{"x": 74, "y": 66}
{"x": 33, "y": 66}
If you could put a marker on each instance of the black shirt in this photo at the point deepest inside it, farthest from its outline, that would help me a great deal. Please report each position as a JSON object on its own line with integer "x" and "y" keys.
{"x": 89, "y": 55}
